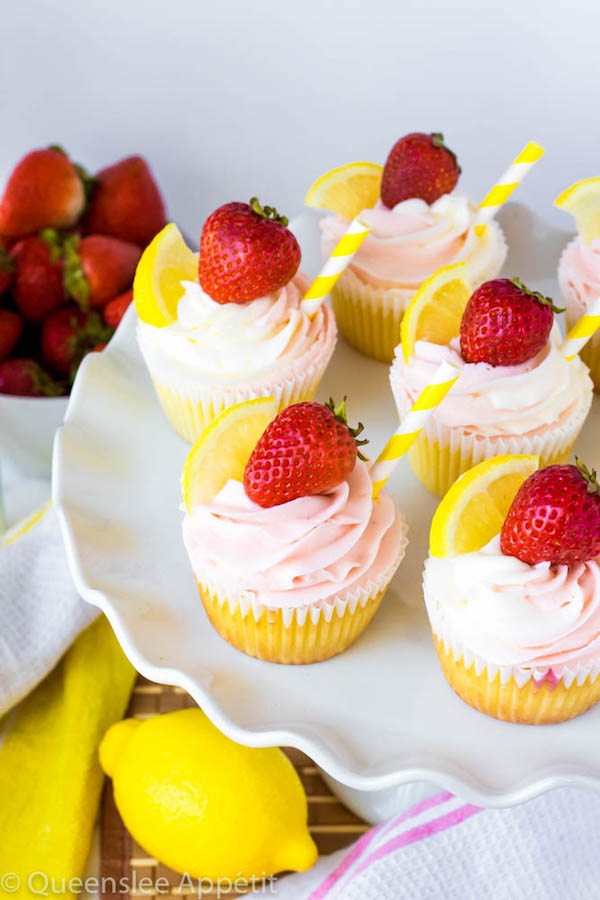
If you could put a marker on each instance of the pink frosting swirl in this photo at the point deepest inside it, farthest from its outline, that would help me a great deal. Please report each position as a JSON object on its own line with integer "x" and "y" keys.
{"x": 299, "y": 553}
{"x": 410, "y": 242}
{"x": 511, "y": 613}
{"x": 579, "y": 276}
{"x": 505, "y": 400}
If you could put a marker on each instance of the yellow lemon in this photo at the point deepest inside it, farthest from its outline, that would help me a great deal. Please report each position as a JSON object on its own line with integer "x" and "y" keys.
{"x": 474, "y": 509}
{"x": 223, "y": 449}
{"x": 347, "y": 190}
{"x": 436, "y": 310}
{"x": 204, "y": 805}
{"x": 165, "y": 263}
{"x": 582, "y": 200}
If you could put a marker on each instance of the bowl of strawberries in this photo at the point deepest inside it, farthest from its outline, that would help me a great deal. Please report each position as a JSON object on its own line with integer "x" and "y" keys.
{"x": 69, "y": 246}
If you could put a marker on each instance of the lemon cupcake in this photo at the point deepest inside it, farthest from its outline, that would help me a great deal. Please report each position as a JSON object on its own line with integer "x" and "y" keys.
{"x": 579, "y": 267}
{"x": 229, "y": 326}
{"x": 512, "y": 589}
{"x": 418, "y": 223}
{"x": 516, "y": 392}
{"x": 291, "y": 554}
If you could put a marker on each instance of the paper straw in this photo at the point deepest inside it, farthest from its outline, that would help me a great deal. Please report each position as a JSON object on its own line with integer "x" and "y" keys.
{"x": 582, "y": 331}
{"x": 506, "y": 184}
{"x": 335, "y": 265}
{"x": 413, "y": 423}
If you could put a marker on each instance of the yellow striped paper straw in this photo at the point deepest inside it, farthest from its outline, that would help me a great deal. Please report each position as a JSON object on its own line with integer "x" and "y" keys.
{"x": 413, "y": 423}
{"x": 582, "y": 331}
{"x": 335, "y": 265}
{"x": 506, "y": 184}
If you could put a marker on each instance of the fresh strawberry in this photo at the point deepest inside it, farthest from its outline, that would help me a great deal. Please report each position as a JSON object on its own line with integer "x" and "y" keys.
{"x": 126, "y": 203}
{"x": 97, "y": 268}
{"x": 419, "y": 165}
{"x": 44, "y": 190}
{"x": 307, "y": 449}
{"x": 246, "y": 252}
{"x": 24, "y": 377}
{"x": 68, "y": 334}
{"x": 505, "y": 324}
{"x": 38, "y": 285}
{"x": 116, "y": 308}
{"x": 11, "y": 329}
{"x": 555, "y": 517}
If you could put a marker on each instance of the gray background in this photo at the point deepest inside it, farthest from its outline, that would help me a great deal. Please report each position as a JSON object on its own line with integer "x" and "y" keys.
{"x": 231, "y": 99}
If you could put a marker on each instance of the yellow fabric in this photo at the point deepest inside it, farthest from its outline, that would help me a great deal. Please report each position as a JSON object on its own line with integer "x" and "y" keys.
{"x": 50, "y": 778}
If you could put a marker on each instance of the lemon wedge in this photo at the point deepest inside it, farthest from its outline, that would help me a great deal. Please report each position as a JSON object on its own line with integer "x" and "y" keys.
{"x": 474, "y": 509}
{"x": 223, "y": 449}
{"x": 165, "y": 263}
{"x": 436, "y": 310}
{"x": 347, "y": 190}
{"x": 582, "y": 200}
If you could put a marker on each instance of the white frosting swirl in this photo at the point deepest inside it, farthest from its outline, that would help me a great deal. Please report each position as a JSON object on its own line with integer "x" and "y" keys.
{"x": 513, "y": 614}
{"x": 226, "y": 342}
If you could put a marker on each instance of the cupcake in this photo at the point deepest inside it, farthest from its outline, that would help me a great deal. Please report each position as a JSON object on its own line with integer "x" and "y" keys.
{"x": 235, "y": 327}
{"x": 579, "y": 266}
{"x": 516, "y": 622}
{"x": 516, "y": 392}
{"x": 418, "y": 223}
{"x": 292, "y": 555}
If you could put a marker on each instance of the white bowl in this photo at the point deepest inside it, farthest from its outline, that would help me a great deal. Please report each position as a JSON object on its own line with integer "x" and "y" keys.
{"x": 27, "y": 429}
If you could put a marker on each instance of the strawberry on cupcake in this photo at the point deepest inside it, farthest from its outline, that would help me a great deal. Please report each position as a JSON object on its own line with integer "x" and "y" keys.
{"x": 291, "y": 554}
{"x": 516, "y": 393}
{"x": 419, "y": 222}
{"x": 228, "y": 325}
{"x": 514, "y": 595}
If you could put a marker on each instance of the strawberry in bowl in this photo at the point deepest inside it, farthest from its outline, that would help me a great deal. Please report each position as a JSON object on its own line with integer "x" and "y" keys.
{"x": 228, "y": 324}
{"x": 69, "y": 247}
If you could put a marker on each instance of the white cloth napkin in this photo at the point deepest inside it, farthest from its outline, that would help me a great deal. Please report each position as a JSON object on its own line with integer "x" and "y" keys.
{"x": 444, "y": 849}
{"x": 41, "y": 613}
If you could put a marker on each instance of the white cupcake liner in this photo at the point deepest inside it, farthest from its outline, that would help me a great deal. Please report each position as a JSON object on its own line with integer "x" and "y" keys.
{"x": 190, "y": 406}
{"x": 577, "y": 673}
{"x": 348, "y": 600}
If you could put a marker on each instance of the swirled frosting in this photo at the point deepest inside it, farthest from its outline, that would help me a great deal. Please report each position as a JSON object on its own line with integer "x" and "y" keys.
{"x": 510, "y": 400}
{"x": 579, "y": 275}
{"x": 511, "y": 613}
{"x": 299, "y": 553}
{"x": 410, "y": 242}
{"x": 215, "y": 342}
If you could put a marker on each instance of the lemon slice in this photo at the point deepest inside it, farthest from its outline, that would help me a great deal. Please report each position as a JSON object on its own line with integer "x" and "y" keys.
{"x": 165, "y": 263}
{"x": 582, "y": 200}
{"x": 223, "y": 449}
{"x": 474, "y": 509}
{"x": 436, "y": 310}
{"x": 347, "y": 190}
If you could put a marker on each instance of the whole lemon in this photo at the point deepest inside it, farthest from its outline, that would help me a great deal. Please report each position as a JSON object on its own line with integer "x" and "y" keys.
{"x": 204, "y": 805}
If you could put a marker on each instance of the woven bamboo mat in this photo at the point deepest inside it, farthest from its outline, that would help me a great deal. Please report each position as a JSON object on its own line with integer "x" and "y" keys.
{"x": 331, "y": 824}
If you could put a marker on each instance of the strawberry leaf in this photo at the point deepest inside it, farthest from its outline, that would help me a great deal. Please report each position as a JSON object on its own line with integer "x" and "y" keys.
{"x": 590, "y": 478}
{"x": 341, "y": 415}
{"x": 545, "y": 301}
{"x": 268, "y": 212}
{"x": 7, "y": 263}
{"x": 438, "y": 141}
{"x": 74, "y": 279}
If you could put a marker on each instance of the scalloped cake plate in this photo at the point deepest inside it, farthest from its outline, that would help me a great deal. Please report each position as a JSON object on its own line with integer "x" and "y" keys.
{"x": 377, "y": 716}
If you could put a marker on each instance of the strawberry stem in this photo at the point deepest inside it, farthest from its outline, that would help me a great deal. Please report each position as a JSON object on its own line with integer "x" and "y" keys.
{"x": 545, "y": 301}
{"x": 7, "y": 263}
{"x": 341, "y": 415}
{"x": 51, "y": 237}
{"x": 267, "y": 212}
{"x": 590, "y": 478}
{"x": 438, "y": 141}
{"x": 75, "y": 282}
